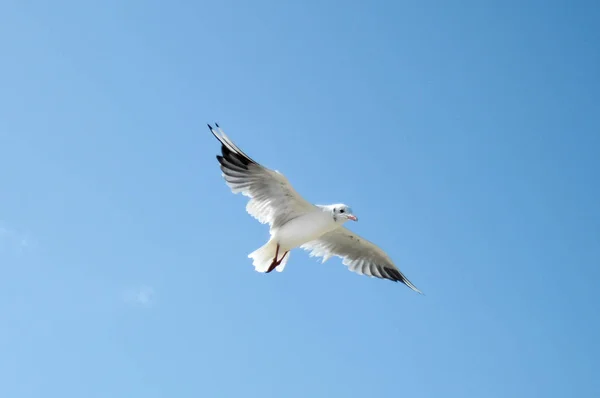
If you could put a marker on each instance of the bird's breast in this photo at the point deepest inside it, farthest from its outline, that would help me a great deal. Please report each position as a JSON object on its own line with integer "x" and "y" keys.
{"x": 303, "y": 229}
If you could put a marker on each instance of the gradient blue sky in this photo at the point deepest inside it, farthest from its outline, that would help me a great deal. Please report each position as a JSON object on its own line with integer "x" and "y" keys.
{"x": 465, "y": 135}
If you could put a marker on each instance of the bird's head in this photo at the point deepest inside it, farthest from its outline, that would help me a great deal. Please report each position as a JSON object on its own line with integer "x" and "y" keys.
{"x": 342, "y": 213}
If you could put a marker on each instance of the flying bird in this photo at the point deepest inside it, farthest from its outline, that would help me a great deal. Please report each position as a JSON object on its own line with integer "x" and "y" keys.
{"x": 294, "y": 222}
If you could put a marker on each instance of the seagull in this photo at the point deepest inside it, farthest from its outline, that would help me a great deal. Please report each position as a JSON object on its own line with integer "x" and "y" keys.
{"x": 294, "y": 222}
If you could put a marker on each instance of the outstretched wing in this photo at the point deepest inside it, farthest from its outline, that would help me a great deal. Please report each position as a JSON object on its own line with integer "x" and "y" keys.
{"x": 358, "y": 254}
{"x": 273, "y": 200}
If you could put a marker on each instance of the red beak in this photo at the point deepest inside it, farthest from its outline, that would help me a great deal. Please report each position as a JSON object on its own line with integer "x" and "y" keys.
{"x": 352, "y": 217}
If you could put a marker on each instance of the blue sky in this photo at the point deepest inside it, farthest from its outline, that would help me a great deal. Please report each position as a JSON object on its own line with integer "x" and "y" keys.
{"x": 463, "y": 134}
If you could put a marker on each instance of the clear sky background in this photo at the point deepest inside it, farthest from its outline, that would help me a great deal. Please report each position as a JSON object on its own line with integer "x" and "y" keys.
{"x": 465, "y": 135}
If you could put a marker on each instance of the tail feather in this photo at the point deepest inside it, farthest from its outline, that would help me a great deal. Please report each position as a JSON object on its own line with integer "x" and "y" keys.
{"x": 264, "y": 255}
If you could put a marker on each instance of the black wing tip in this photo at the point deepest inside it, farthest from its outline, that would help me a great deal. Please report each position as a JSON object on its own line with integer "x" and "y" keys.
{"x": 215, "y": 133}
{"x": 411, "y": 286}
{"x": 414, "y": 288}
{"x": 229, "y": 149}
{"x": 396, "y": 276}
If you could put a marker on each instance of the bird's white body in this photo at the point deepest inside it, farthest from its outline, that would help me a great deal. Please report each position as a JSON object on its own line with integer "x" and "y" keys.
{"x": 303, "y": 229}
{"x": 293, "y": 234}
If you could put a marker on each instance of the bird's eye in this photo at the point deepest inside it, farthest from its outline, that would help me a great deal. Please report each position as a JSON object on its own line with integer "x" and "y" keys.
{"x": 341, "y": 211}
